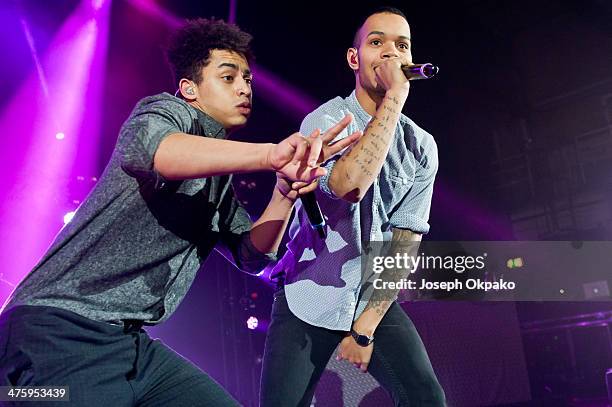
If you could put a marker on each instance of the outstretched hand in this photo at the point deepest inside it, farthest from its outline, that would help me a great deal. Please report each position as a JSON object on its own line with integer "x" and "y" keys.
{"x": 298, "y": 158}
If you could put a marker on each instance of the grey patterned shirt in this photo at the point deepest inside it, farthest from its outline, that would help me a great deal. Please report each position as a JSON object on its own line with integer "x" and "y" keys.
{"x": 324, "y": 284}
{"x": 134, "y": 246}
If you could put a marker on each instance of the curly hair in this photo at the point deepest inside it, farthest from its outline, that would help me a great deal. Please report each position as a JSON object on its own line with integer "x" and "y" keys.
{"x": 190, "y": 47}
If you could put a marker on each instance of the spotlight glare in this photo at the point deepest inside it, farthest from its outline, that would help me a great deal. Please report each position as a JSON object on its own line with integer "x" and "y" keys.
{"x": 60, "y": 136}
{"x": 252, "y": 323}
{"x": 68, "y": 217}
{"x": 97, "y": 4}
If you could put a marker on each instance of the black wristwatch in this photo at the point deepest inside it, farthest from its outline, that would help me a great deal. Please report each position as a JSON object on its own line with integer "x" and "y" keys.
{"x": 362, "y": 340}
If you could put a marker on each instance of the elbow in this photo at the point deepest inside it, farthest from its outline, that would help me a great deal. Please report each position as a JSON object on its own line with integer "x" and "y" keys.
{"x": 346, "y": 189}
{"x": 349, "y": 193}
{"x": 166, "y": 168}
{"x": 353, "y": 196}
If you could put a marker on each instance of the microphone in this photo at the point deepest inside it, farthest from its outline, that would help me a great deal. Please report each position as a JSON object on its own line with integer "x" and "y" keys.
{"x": 313, "y": 211}
{"x": 420, "y": 71}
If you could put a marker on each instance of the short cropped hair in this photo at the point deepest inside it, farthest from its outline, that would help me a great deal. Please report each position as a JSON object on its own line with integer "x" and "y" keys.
{"x": 379, "y": 10}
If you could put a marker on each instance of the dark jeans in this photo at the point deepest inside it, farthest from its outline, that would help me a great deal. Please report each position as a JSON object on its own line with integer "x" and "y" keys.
{"x": 296, "y": 354}
{"x": 102, "y": 364}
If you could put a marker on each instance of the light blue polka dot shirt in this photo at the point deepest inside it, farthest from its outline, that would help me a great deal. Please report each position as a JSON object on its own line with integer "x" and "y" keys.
{"x": 324, "y": 283}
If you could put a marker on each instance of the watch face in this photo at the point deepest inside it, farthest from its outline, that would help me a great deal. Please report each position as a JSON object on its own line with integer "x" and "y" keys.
{"x": 362, "y": 340}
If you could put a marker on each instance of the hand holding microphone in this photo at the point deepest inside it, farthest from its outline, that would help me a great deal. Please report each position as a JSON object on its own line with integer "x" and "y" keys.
{"x": 307, "y": 195}
{"x": 388, "y": 76}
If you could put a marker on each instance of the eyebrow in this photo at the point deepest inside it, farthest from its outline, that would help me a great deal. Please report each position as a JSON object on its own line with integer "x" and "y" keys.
{"x": 233, "y": 66}
{"x": 403, "y": 37}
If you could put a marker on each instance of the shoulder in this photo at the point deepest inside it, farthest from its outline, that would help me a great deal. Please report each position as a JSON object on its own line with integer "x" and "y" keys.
{"x": 325, "y": 115}
{"x": 164, "y": 103}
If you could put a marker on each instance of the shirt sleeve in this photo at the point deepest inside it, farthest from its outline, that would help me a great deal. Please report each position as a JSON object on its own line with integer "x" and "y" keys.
{"x": 144, "y": 130}
{"x": 413, "y": 211}
{"x": 323, "y": 122}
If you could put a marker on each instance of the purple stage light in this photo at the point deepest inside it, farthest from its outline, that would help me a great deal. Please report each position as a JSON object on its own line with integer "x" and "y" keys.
{"x": 285, "y": 96}
{"x": 150, "y": 8}
{"x": 97, "y": 4}
{"x": 63, "y": 91}
{"x": 232, "y": 12}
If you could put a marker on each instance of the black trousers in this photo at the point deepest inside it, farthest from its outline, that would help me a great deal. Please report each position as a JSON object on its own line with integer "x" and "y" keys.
{"x": 102, "y": 364}
{"x": 296, "y": 354}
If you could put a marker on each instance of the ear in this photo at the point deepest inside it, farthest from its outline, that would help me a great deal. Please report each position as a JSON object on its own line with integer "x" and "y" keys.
{"x": 352, "y": 57}
{"x": 188, "y": 89}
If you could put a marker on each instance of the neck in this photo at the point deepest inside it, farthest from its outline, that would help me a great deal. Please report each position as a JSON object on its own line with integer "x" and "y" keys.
{"x": 368, "y": 100}
{"x": 198, "y": 106}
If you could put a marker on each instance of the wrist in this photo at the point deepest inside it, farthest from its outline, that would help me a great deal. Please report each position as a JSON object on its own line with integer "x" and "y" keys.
{"x": 281, "y": 193}
{"x": 364, "y": 328}
{"x": 362, "y": 339}
{"x": 399, "y": 91}
{"x": 266, "y": 160}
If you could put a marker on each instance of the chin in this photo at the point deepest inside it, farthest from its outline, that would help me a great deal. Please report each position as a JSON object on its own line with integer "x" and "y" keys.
{"x": 237, "y": 124}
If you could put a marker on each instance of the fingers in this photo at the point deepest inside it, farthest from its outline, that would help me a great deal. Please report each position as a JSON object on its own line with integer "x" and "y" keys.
{"x": 304, "y": 187}
{"x": 361, "y": 365}
{"x": 333, "y": 131}
{"x": 316, "y": 143}
{"x": 300, "y": 149}
{"x": 310, "y": 174}
{"x": 309, "y": 188}
{"x": 345, "y": 142}
{"x": 296, "y": 186}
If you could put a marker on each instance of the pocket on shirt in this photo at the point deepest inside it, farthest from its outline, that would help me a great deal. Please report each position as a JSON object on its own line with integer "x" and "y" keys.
{"x": 395, "y": 188}
{"x": 401, "y": 180}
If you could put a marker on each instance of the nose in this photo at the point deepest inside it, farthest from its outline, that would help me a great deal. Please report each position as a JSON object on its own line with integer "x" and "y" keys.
{"x": 243, "y": 88}
{"x": 390, "y": 51}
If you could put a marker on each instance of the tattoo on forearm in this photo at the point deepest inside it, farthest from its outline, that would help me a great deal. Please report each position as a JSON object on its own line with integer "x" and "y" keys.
{"x": 368, "y": 155}
{"x": 403, "y": 242}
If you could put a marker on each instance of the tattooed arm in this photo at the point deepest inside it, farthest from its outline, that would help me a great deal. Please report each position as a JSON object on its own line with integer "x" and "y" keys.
{"x": 355, "y": 171}
{"x": 404, "y": 241}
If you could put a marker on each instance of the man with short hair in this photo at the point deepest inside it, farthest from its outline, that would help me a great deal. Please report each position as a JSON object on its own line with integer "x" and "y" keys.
{"x": 379, "y": 189}
{"x": 133, "y": 248}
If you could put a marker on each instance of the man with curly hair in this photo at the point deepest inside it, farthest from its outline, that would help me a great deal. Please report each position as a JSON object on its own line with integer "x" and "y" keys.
{"x": 132, "y": 250}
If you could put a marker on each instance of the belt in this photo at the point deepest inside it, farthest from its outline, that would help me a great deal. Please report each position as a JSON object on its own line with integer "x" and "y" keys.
{"x": 129, "y": 325}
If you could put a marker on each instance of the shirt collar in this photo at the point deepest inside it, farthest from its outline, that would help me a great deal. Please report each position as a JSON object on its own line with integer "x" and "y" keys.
{"x": 355, "y": 108}
{"x": 211, "y": 127}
